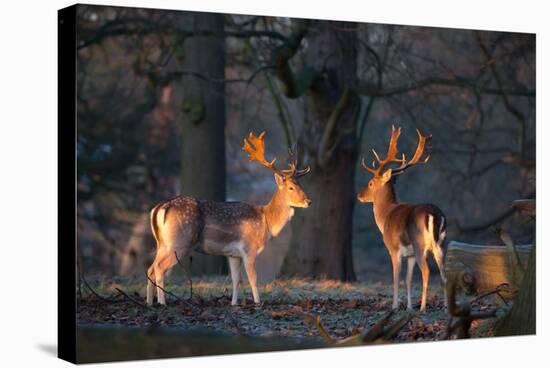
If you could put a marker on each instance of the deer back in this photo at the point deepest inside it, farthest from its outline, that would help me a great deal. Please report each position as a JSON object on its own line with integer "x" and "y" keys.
{"x": 220, "y": 228}
{"x": 408, "y": 223}
{"x": 227, "y": 222}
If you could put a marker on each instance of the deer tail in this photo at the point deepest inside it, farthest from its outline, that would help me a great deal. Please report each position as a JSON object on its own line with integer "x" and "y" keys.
{"x": 157, "y": 212}
{"x": 436, "y": 225}
{"x": 442, "y": 231}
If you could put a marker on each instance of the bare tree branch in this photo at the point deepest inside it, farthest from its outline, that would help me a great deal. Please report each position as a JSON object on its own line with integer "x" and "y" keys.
{"x": 143, "y": 27}
{"x": 369, "y": 89}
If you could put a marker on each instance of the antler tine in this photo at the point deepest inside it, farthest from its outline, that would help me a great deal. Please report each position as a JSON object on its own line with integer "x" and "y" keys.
{"x": 293, "y": 165}
{"x": 392, "y": 148}
{"x": 376, "y": 155}
{"x": 289, "y": 172}
{"x": 391, "y": 155}
{"x": 417, "y": 155}
{"x": 365, "y": 166}
{"x": 255, "y": 147}
{"x": 302, "y": 172}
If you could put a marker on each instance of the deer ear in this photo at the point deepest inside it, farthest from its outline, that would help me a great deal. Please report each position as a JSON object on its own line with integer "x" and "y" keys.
{"x": 386, "y": 176}
{"x": 279, "y": 180}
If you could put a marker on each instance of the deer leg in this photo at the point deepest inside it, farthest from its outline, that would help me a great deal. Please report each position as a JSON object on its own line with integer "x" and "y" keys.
{"x": 250, "y": 267}
{"x": 161, "y": 265}
{"x": 438, "y": 256}
{"x": 396, "y": 265}
{"x": 410, "y": 268}
{"x": 235, "y": 269}
{"x": 423, "y": 264}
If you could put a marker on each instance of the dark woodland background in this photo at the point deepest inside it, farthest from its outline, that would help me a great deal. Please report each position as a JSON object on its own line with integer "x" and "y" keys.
{"x": 165, "y": 98}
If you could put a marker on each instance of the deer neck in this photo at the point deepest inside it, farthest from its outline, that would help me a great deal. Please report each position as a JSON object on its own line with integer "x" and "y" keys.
{"x": 277, "y": 213}
{"x": 384, "y": 201}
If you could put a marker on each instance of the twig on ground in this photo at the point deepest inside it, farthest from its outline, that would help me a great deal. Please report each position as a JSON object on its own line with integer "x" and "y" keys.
{"x": 376, "y": 334}
{"x": 168, "y": 292}
{"x": 497, "y": 291}
{"x": 132, "y": 299}
{"x": 108, "y": 300}
{"x": 397, "y": 326}
{"x": 317, "y": 320}
{"x": 187, "y": 275}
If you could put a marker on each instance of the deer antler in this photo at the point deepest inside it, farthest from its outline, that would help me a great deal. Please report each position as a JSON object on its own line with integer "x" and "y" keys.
{"x": 417, "y": 155}
{"x": 392, "y": 153}
{"x": 256, "y": 150}
{"x": 255, "y": 147}
{"x": 293, "y": 171}
{"x": 390, "y": 157}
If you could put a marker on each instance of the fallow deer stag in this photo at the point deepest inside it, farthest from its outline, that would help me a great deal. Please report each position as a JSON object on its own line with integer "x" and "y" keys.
{"x": 236, "y": 230}
{"x": 408, "y": 230}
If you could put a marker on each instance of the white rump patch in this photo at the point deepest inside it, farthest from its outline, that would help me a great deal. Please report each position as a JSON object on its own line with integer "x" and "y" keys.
{"x": 405, "y": 251}
{"x": 429, "y": 240}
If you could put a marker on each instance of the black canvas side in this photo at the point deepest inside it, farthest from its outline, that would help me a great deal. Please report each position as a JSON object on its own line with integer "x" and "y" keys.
{"x": 66, "y": 187}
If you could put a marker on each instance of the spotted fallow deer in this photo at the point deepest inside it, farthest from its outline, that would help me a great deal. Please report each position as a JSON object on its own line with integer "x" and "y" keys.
{"x": 236, "y": 230}
{"x": 409, "y": 230}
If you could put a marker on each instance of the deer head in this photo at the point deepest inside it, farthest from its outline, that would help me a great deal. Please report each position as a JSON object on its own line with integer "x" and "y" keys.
{"x": 381, "y": 177}
{"x": 286, "y": 180}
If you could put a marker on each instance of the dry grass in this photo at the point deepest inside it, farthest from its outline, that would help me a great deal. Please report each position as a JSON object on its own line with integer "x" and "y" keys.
{"x": 290, "y": 289}
{"x": 345, "y": 308}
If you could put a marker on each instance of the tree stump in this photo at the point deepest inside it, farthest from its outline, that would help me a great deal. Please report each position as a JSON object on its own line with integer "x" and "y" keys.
{"x": 481, "y": 268}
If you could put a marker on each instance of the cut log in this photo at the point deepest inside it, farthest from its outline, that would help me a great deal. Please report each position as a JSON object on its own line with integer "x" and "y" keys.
{"x": 481, "y": 268}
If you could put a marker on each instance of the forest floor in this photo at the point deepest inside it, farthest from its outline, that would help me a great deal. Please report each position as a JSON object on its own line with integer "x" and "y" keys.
{"x": 344, "y": 309}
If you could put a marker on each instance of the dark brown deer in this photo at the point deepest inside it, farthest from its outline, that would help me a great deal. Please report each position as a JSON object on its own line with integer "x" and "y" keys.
{"x": 409, "y": 230}
{"x": 236, "y": 230}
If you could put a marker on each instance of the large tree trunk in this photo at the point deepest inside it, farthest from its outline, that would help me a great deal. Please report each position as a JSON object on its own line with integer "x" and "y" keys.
{"x": 521, "y": 320}
{"x": 203, "y": 133}
{"x": 321, "y": 235}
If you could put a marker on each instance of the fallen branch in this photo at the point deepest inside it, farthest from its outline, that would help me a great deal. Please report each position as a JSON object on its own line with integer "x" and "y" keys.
{"x": 108, "y": 300}
{"x": 462, "y": 312}
{"x": 167, "y": 292}
{"x": 132, "y": 299}
{"x": 376, "y": 334}
{"x": 397, "y": 326}
{"x": 496, "y": 291}
{"x": 187, "y": 275}
{"x": 378, "y": 329}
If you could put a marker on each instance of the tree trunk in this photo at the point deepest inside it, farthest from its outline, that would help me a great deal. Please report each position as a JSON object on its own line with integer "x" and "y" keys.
{"x": 481, "y": 268}
{"x": 203, "y": 133}
{"x": 521, "y": 320}
{"x": 321, "y": 235}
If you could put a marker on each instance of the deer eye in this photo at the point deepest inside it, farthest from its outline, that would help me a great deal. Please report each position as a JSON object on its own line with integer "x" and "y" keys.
{"x": 370, "y": 184}
{"x": 291, "y": 188}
